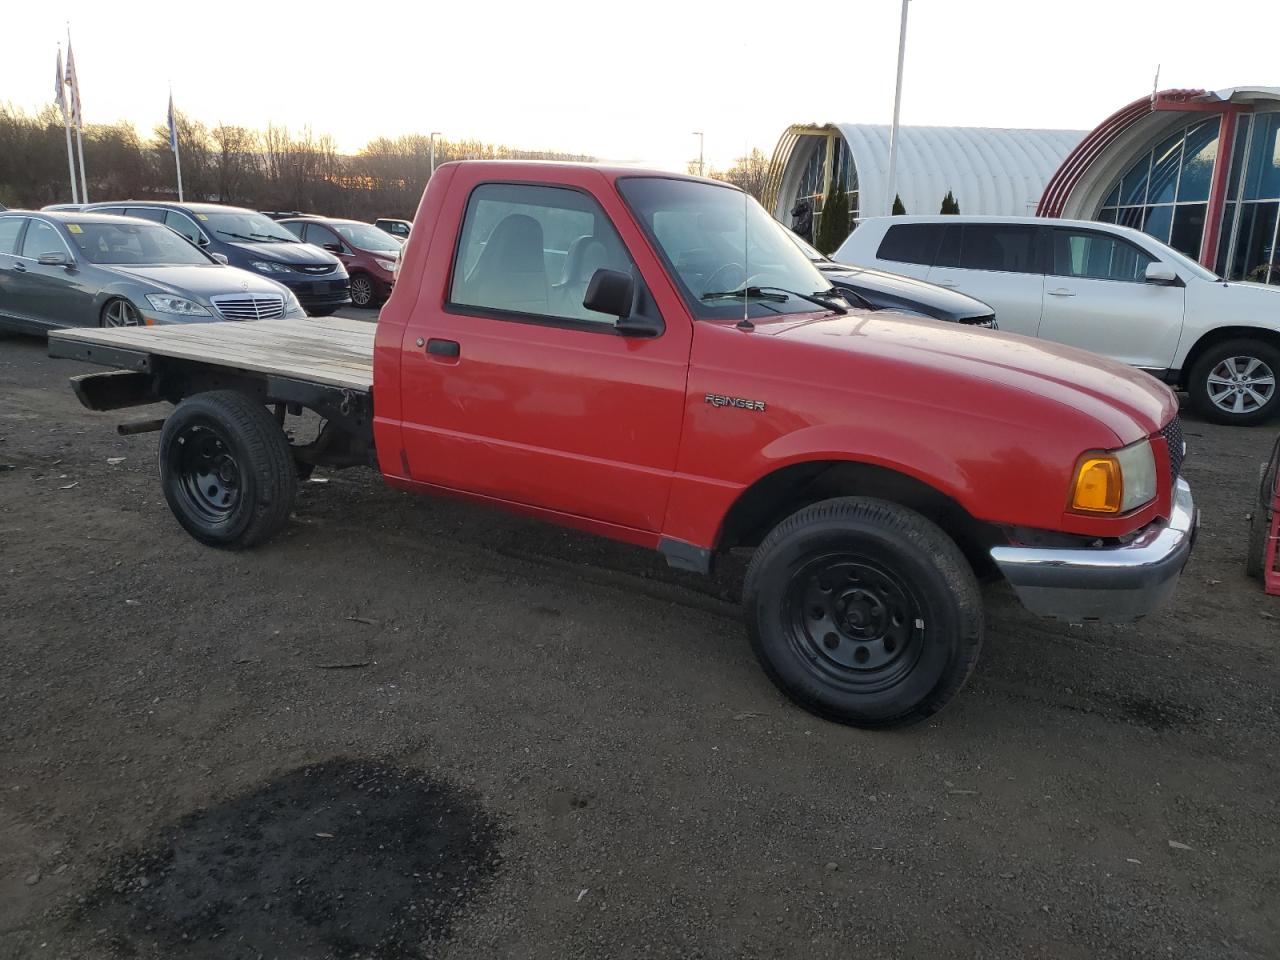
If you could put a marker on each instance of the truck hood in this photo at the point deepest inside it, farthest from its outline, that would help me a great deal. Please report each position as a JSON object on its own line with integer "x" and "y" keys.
{"x": 1131, "y": 403}
{"x": 200, "y": 280}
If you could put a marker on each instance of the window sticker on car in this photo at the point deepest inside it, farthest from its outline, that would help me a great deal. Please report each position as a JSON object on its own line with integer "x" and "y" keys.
{"x": 202, "y": 216}
{"x": 74, "y": 228}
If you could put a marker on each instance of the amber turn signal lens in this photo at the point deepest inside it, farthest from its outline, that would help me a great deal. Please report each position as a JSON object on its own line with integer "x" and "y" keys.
{"x": 1099, "y": 485}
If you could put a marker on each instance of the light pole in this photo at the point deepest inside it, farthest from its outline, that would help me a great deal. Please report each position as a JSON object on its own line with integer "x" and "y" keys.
{"x": 891, "y": 185}
{"x": 701, "y": 141}
{"x": 434, "y": 134}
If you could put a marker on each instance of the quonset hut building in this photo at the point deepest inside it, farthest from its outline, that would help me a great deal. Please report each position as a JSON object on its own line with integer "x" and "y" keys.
{"x": 987, "y": 170}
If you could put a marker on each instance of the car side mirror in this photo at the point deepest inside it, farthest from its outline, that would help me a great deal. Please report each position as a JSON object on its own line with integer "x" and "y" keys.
{"x": 54, "y": 260}
{"x": 1162, "y": 274}
{"x": 333, "y": 247}
{"x": 202, "y": 241}
{"x": 611, "y": 292}
{"x": 222, "y": 258}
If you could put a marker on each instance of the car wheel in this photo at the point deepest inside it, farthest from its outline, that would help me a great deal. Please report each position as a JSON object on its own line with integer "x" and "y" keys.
{"x": 362, "y": 294}
{"x": 863, "y": 612}
{"x": 120, "y": 313}
{"x": 1235, "y": 382}
{"x": 226, "y": 469}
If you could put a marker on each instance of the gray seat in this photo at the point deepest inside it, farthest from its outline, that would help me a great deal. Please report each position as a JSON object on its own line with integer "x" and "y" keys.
{"x": 584, "y": 257}
{"x": 511, "y": 273}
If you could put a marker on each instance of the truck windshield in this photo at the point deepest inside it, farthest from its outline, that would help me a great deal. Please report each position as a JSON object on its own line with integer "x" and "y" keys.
{"x": 716, "y": 245}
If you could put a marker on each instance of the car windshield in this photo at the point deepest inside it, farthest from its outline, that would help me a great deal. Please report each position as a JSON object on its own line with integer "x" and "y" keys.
{"x": 1167, "y": 252}
{"x": 366, "y": 237}
{"x": 135, "y": 244}
{"x": 245, "y": 227}
{"x": 718, "y": 242}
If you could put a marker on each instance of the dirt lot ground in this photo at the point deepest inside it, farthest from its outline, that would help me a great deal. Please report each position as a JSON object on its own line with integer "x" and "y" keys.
{"x": 411, "y": 727}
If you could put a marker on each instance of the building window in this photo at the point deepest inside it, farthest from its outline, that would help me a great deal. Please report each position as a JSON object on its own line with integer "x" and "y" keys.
{"x": 1166, "y": 193}
{"x": 1249, "y": 247}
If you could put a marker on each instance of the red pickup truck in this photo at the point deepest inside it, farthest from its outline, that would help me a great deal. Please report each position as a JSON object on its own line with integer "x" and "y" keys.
{"x": 650, "y": 358}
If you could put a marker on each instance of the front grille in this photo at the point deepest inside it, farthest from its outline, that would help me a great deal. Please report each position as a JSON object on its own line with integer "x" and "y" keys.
{"x": 1172, "y": 434}
{"x": 316, "y": 268}
{"x": 250, "y": 306}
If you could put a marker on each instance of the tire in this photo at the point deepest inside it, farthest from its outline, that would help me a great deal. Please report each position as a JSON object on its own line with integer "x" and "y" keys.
{"x": 226, "y": 469}
{"x": 363, "y": 294}
{"x": 1260, "y": 523}
{"x": 1216, "y": 395}
{"x": 119, "y": 313}
{"x": 863, "y": 612}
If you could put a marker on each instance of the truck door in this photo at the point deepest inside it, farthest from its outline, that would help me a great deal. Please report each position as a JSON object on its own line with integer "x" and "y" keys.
{"x": 1097, "y": 297}
{"x": 512, "y": 389}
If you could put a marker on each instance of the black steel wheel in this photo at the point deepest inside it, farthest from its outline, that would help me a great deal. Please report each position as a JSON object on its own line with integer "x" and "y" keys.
{"x": 120, "y": 313}
{"x": 362, "y": 294}
{"x": 864, "y": 612}
{"x": 226, "y": 468}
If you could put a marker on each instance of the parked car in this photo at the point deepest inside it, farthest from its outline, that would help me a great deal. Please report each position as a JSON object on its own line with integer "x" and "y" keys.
{"x": 368, "y": 254}
{"x": 63, "y": 207}
{"x": 397, "y": 228}
{"x": 281, "y": 214}
{"x": 1103, "y": 287}
{"x": 60, "y": 269}
{"x": 586, "y": 345}
{"x": 251, "y": 241}
{"x": 881, "y": 290}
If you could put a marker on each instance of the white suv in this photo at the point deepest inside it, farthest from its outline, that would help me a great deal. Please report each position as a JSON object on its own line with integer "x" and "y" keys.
{"x": 1102, "y": 287}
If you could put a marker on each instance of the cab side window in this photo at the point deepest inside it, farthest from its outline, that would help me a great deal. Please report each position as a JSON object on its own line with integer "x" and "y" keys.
{"x": 1090, "y": 255}
{"x": 533, "y": 250}
{"x": 42, "y": 238}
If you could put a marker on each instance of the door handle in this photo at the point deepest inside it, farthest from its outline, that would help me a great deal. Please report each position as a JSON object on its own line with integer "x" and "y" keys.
{"x": 443, "y": 348}
{"x": 19, "y": 268}
{"x": 945, "y": 283}
{"x": 1061, "y": 292}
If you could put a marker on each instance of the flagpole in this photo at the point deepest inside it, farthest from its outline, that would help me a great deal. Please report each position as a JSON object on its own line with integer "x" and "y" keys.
{"x": 84, "y": 184}
{"x": 60, "y": 92}
{"x": 891, "y": 184}
{"x": 173, "y": 140}
{"x": 79, "y": 118}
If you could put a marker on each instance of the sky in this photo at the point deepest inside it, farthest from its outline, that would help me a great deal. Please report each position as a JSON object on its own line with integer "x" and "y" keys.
{"x": 629, "y": 84}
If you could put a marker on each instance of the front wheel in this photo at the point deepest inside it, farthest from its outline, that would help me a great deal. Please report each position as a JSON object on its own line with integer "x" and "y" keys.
{"x": 226, "y": 469}
{"x": 863, "y": 612}
{"x": 120, "y": 313}
{"x": 362, "y": 293}
{"x": 1235, "y": 382}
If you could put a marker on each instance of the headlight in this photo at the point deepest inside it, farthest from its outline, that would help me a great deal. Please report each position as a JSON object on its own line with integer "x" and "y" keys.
{"x": 1116, "y": 481}
{"x": 388, "y": 265}
{"x": 270, "y": 266}
{"x": 183, "y": 307}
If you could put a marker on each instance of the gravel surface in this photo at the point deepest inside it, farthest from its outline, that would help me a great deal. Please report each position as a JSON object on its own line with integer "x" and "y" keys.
{"x": 588, "y": 737}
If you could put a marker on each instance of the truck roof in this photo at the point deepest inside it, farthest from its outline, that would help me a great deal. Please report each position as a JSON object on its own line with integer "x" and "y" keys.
{"x": 513, "y": 169}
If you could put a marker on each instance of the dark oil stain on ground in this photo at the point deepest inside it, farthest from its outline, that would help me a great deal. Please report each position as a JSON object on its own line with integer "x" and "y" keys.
{"x": 342, "y": 859}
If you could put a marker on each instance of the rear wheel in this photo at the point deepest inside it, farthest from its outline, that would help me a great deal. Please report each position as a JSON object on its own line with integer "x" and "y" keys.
{"x": 227, "y": 470}
{"x": 120, "y": 313}
{"x": 864, "y": 612}
{"x": 1236, "y": 382}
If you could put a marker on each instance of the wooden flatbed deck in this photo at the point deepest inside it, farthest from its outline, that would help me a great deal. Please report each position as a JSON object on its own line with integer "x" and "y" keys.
{"x": 326, "y": 350}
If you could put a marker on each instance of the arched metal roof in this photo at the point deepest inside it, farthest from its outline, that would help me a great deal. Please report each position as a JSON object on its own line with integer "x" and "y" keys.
{"x": 989, "y": 170}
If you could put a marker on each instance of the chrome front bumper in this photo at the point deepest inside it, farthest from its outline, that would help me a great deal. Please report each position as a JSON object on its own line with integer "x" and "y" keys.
{"x": 1107, "y": 583}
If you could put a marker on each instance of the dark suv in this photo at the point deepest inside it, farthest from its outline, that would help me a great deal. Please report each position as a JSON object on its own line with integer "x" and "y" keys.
{"x": 249, "y": 240}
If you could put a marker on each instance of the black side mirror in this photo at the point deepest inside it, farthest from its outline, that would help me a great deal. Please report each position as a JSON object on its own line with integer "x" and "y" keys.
{"x": 611, "y": 292}
{"x": 202, "y": 241}
{"x": 333, "y": 247}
